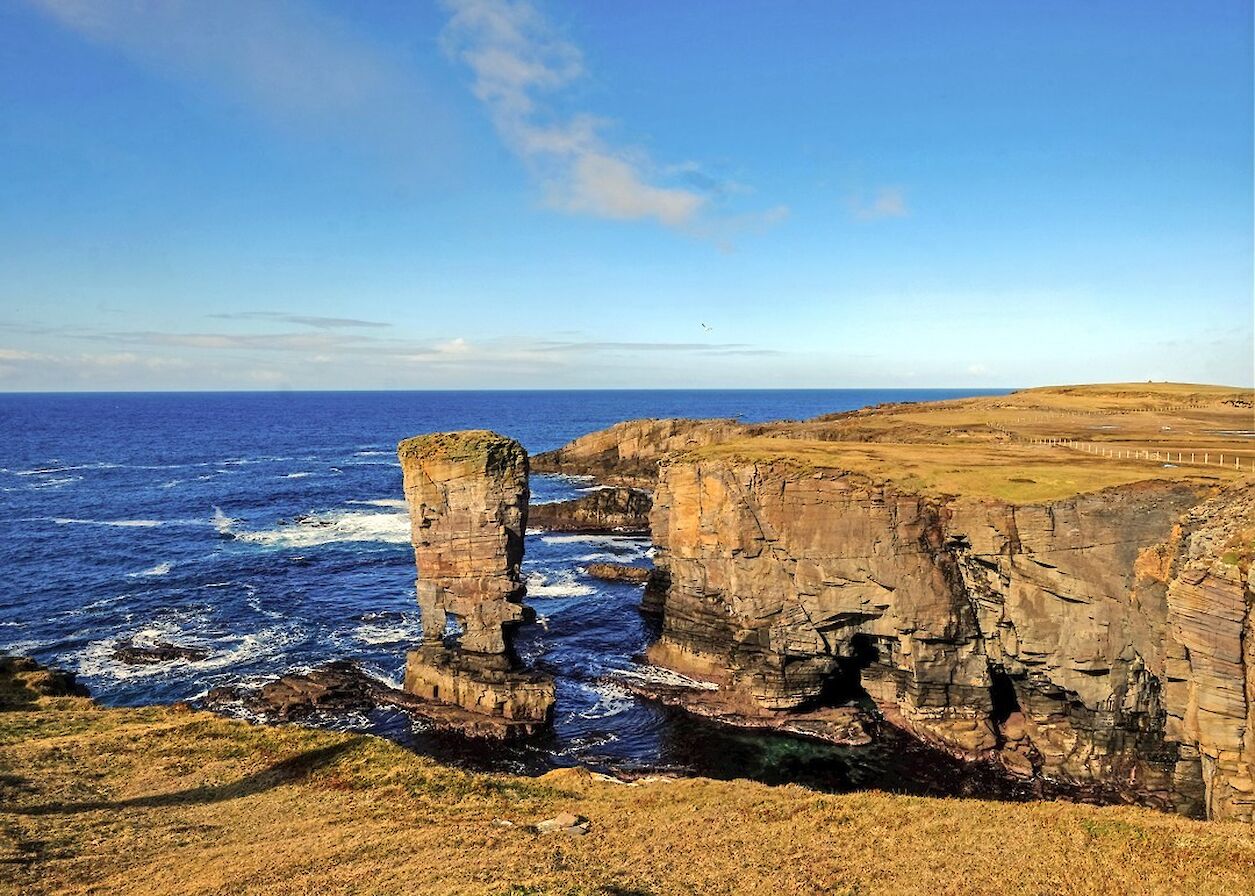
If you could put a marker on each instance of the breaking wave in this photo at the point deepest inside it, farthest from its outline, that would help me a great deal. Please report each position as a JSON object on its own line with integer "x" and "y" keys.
{"x": 564, "y": 585}
{"x": 159, "y": 569}
{"x": 323, "y": 528}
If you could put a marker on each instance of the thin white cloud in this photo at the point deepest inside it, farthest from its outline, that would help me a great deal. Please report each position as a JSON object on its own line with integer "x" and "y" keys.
{"x": 308, "y": 320}
{"x": 886, "y": 202}
{"x": 520, "y": 64}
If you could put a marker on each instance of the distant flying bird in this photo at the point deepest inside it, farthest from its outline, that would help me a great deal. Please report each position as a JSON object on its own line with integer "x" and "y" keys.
{"x": 708, "y": 329}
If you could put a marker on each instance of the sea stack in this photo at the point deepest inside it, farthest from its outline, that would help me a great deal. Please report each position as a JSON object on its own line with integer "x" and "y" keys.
{"x": 467, "y": 494}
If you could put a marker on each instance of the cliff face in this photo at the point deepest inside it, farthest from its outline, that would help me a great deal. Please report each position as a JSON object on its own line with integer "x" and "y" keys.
{"x": 1095, "y": 641}
{"x": 1211, "y": 659}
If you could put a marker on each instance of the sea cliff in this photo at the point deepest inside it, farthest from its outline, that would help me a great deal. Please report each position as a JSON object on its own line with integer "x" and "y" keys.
{"x": 1078, "y": 618}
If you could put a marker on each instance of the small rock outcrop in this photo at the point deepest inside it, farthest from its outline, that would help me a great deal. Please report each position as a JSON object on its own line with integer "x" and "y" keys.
{"x": 618, "y": 572}
{"x": 467, "y": 494}
{"x": 157, "y": 652}
{"x": 24, "y": 680}
{"x": 606, "y": 511}
{"x": 341, "y": 687}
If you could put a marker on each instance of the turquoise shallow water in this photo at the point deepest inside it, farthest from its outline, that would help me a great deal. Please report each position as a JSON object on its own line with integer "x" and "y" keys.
{"x": 268, "y": 528}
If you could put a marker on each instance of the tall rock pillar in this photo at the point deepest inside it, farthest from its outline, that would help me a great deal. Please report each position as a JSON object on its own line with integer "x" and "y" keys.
{"x": 467, "y": 495}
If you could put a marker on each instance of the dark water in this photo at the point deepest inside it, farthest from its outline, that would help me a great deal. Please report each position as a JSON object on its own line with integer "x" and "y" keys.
{"x": 268, "y": 528}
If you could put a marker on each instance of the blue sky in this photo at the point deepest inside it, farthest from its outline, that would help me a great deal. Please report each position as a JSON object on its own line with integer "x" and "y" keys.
{"x": 476, "y": 194}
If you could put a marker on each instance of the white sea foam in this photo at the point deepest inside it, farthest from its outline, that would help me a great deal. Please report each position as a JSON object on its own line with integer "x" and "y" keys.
{"x": 406, "y": 630}
{"x": 96, "y": 659}
{"x": 159, "y": 569}
{"x": 659, "y": 675}
{"x": 295, "y": 475}
{"x": 623, "y": 541}
{"x": 612, "y": 699}
{"x": 326, "y": 528}
{"x": 44, "y": 471}
{"x": 397, "y": 503}
{"x": 565, "y": 585}
{"x": 139, "y": 524}
{"x": 373, "y": 453}
{"x": 59, "y": 482}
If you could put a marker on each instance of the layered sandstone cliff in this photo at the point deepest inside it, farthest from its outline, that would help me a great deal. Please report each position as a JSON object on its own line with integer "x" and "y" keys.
{"x": 467, "y": 494}
{"x": 1093, "y": 642}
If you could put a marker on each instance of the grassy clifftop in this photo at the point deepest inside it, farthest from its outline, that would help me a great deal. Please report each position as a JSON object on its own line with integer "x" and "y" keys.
{"x": 159, "y": 800}
{"x": 1034, "y": 445}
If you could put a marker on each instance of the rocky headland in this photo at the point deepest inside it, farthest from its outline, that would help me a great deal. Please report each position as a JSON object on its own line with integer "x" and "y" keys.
{"x": 604, "y": 511}
{"x": 1025, "y": 579}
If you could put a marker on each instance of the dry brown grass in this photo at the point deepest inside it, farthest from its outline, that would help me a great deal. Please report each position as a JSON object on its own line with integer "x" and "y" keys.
{"x": 989, "y": 447}
{"x": 1014, "y": 473}
{"x": 157, "y": 801}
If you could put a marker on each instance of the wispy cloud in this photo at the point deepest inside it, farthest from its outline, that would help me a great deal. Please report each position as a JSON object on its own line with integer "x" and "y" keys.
{"x": 719, "y": 348}
{"x": 290, "y": 62}
{"x": 520, "y": 65}
{"x": 321, "y": 323}
{"x": 886, "y": 202}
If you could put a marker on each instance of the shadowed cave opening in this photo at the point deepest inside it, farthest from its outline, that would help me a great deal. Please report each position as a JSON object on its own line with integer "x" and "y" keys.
{"x": 845, "y": 685}
{"x": 1002, "y": 697}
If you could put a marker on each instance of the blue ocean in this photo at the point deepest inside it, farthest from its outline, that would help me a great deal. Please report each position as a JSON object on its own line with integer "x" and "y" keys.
{"x": 269, "y": 529}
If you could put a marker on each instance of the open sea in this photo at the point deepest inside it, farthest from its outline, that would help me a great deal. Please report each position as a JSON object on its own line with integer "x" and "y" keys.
{"x": 270, "y": 530}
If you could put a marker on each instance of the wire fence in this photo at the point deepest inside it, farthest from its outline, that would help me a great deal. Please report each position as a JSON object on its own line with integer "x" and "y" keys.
{"x": 1180, "y": 457}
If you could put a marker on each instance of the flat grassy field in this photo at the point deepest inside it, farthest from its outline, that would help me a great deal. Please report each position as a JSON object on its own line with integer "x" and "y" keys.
{"x": 1029, "y": 446}
{"x": 162, "y": 801}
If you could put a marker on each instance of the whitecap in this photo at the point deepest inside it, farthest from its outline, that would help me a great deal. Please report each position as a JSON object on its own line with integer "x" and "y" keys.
{"x": 43, "y": 471}
{"x": 60, "y": 482}
{"x": 295, "y": 475}
{"x": 326, "y": 528}
{"x": 397, "y": 503}
{"x": 566, "y": 585}
{"x": 159, "y": 569}
{"x": 373, "y": 453}
{"x": 140, "y": 524}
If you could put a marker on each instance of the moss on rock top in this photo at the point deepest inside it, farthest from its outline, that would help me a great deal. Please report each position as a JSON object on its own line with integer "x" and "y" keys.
{"x": 462, "y": 445}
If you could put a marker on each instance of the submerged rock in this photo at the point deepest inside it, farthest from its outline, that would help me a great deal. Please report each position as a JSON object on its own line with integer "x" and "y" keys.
{"x": 158, "y": 652}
